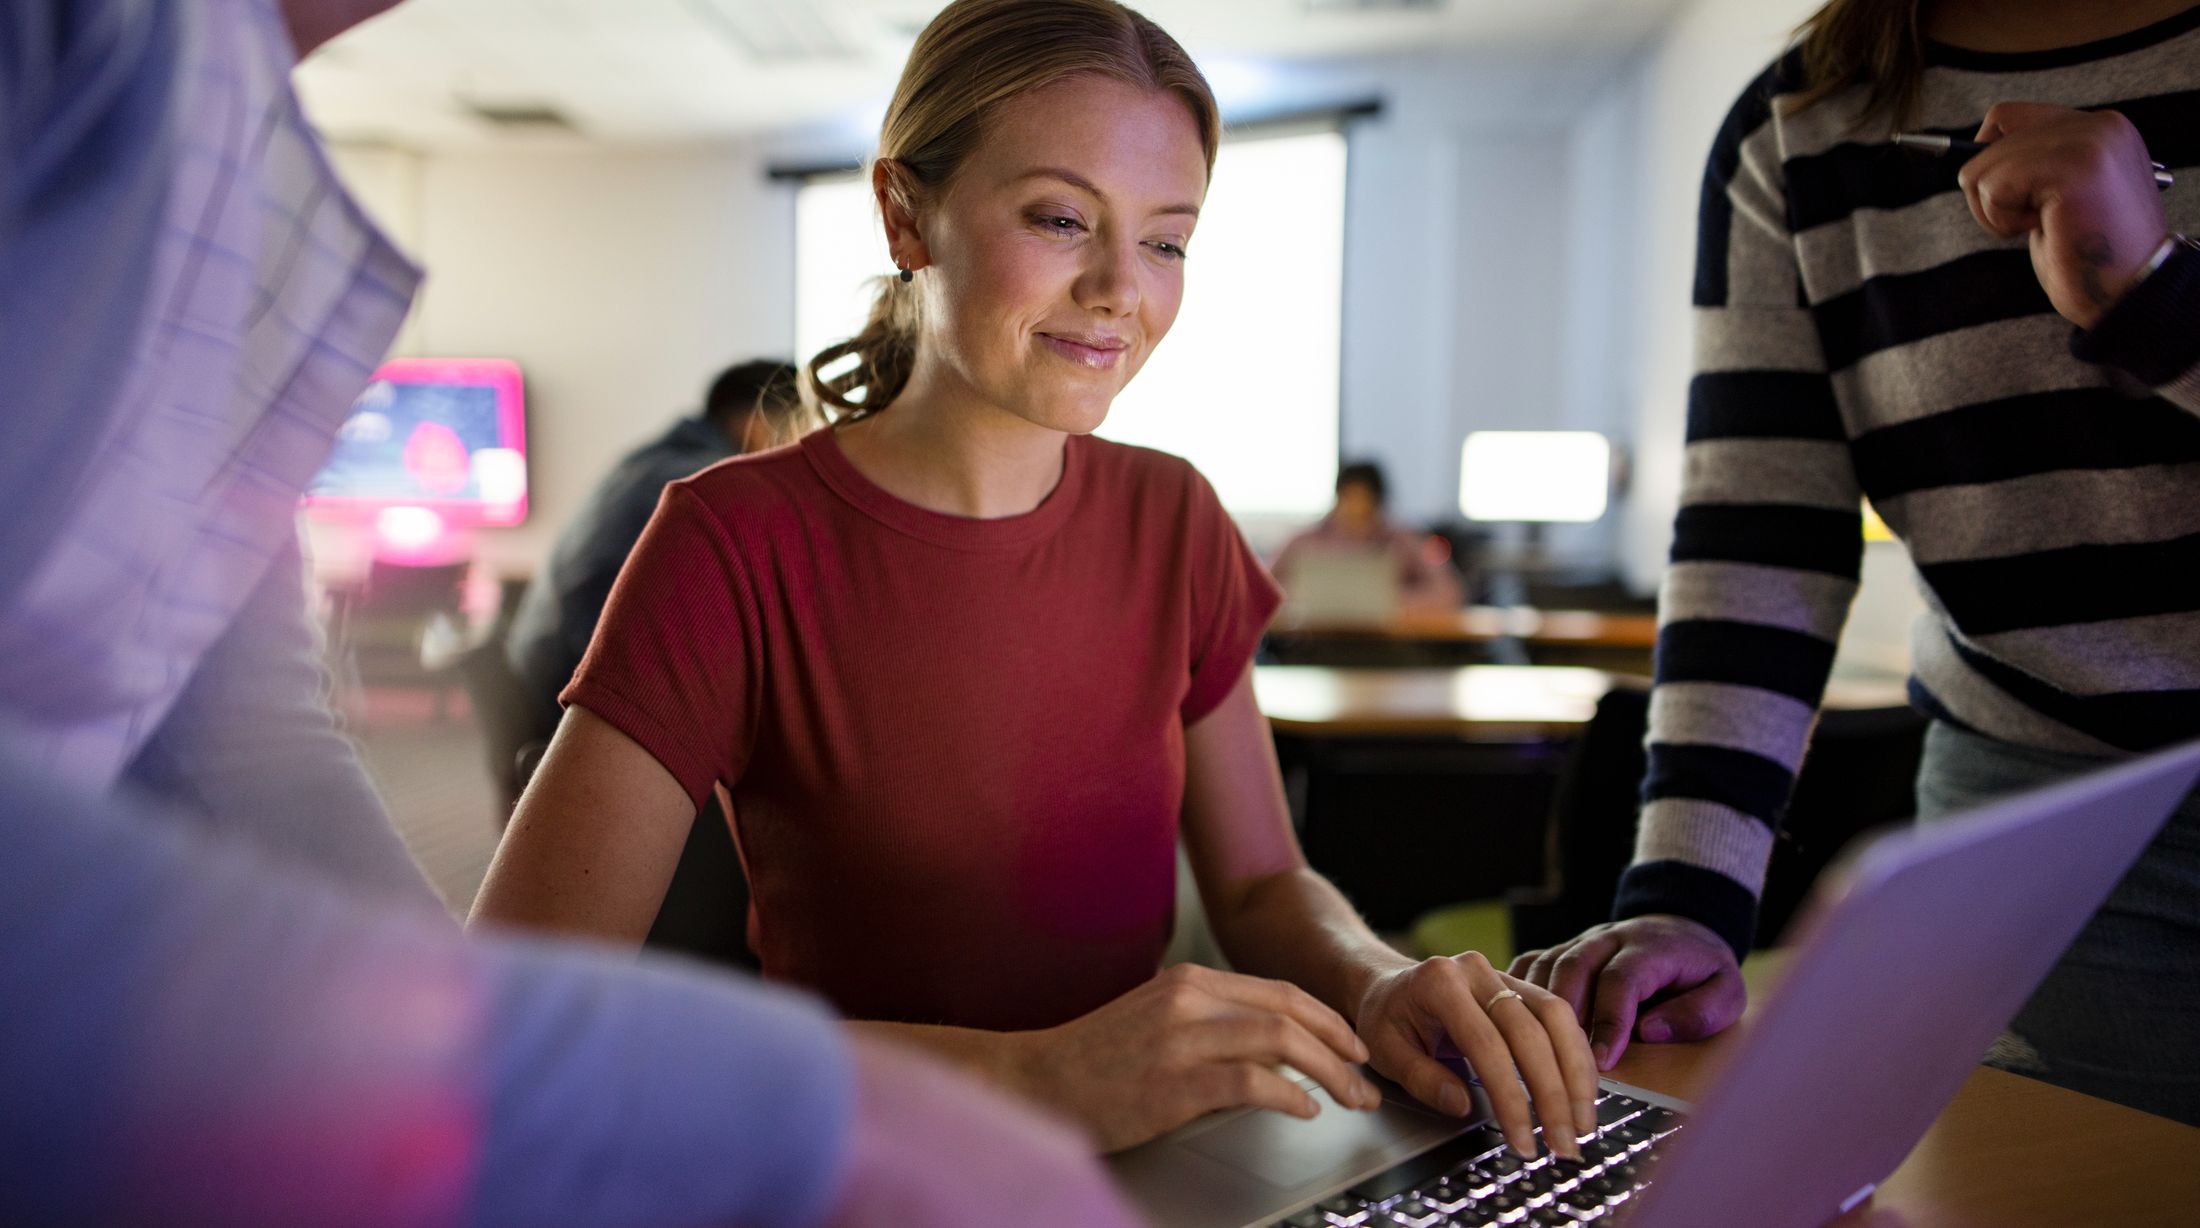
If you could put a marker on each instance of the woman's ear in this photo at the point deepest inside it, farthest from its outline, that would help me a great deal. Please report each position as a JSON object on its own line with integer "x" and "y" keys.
{"x": 897, "y": 192}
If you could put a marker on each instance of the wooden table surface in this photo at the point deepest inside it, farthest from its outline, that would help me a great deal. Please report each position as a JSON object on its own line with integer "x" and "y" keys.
{"x": 2007, "y": 1152}
{"x": 1476, "y": 702}
{"x": 1475, "y": 624}
{"x": 1487, "y": 703}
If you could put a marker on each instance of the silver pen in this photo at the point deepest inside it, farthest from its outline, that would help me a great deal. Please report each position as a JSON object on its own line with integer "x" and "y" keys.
{"x": 1934, "y": 143}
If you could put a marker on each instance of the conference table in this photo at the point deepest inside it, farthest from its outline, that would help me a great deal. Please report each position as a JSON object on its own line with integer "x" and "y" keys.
{"x": 1475, "y": 624}
{"x": 1378, "y": 759}
{"x": 1512, "y": 635}
{"x": 1470, "y": 703}
{"x": 2007, "y": 1152}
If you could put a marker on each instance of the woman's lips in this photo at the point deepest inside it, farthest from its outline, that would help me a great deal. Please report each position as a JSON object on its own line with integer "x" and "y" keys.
{"x": 1093, "y": 353}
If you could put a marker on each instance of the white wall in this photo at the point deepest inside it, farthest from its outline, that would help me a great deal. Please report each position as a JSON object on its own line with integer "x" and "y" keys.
{"x": 1461, "y": 308}
{"x": 1472, "y": 282}
{"x": 1676, "y": 101}
{"x": 385, "y": 180}
{"x": 1669, "y": 109}
{"x": 620, "y": 280}
{"x": 1520, "y": 242}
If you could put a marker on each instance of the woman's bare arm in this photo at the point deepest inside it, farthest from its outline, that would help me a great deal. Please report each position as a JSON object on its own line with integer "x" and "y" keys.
{"x": 1276, "y": 917}
{"x": 1272, "y": 915}
{"x": 594, "y": 840}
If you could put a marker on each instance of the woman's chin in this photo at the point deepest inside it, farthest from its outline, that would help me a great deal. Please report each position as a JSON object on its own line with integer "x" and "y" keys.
{"x": 1072, "y": 415}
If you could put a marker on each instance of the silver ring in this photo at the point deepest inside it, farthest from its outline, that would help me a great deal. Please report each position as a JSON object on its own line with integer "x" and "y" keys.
{"x": 1500, "y": 996}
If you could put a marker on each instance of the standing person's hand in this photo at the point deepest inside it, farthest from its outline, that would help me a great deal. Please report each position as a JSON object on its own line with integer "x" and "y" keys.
{"x": 934, "y": 1149}
{"x": 1186, "y": 1043}
{"x": 1609, "y": 972}
{"x": 1501, "y": 1025}
{"x": 2080, "y": 185}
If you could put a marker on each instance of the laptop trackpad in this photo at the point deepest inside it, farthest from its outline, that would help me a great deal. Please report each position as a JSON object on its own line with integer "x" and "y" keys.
{"x": 1286, "y": 1152}
{"x": 1245, "y": 1166}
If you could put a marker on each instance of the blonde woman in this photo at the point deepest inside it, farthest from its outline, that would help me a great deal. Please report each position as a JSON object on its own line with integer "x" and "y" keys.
{"x": 966, "y": 670}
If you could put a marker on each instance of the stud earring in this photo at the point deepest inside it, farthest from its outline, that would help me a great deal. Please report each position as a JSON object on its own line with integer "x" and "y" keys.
{"x": 907, "y": 275}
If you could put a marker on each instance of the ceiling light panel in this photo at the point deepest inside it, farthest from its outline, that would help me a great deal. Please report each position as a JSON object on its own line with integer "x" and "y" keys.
{"x": 1375, "y": 6}
{"x": 776, "y": 31}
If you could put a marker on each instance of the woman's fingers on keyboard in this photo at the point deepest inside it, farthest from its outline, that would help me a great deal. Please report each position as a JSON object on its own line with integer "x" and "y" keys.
{"x": 1492, "y": 1021}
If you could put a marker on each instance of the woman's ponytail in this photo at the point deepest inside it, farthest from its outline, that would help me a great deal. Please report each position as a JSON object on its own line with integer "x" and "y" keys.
{"x": 884, "y": 351}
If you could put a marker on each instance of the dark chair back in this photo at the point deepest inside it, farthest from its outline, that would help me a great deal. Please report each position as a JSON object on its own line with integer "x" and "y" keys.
{"x": 1591, "y": 830}
{"x": 400, "y": 591}
{"x": 1860, "y": 774}
{"x": 705, "y": 913}
{"x": 514, "y": 728}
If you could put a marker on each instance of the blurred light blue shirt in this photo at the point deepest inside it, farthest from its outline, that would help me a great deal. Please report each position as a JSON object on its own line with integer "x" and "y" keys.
{"x": 197, "y": 1034}
{"x": 230, "y": 996}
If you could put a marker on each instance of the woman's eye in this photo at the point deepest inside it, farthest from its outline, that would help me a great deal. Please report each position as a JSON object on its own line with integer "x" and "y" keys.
{"x": 1170, "y": 250}
{"x": 1058, "y": 224}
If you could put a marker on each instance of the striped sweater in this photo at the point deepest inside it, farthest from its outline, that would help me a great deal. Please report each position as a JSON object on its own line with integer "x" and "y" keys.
{"x": 1858, "y": 334}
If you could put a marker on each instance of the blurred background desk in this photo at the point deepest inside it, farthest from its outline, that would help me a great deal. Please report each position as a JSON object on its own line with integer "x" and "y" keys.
{"x": 1471, "y": 703}
{"x": 1418, "y": 789}
{"x": 2007, "y": 1152}
{"x": 1613, "y": 640}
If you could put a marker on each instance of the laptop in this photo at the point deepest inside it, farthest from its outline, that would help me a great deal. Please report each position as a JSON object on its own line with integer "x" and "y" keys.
{"x": 1831, "y": 1082}
{"x": 1339, "y": 587}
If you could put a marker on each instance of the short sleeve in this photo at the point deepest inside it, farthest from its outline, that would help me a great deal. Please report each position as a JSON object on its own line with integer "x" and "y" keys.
{"x": 672, "y": 661}
{"x": 1233, "y": 598}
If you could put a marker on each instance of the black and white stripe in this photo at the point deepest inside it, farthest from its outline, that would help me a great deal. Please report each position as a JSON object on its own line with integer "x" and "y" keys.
{"x": 1858, "y": 335}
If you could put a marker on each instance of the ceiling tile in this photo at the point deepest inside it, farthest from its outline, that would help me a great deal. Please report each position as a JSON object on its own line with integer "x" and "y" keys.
{"x": 622, "y": 59}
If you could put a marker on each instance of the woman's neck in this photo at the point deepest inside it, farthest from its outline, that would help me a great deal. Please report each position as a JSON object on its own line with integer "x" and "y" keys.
{"x": 941, "y": 448}
{"x": 2040, "y": 25}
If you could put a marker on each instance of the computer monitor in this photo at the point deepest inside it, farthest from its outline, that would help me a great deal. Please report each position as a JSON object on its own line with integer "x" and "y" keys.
{"x": 441, "y": 439}
{"x": 1534, "y": 476}
{"x": 1531, "y": 478}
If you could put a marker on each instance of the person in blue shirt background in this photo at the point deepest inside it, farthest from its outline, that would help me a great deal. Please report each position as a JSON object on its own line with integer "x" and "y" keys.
{"x": 751, "y": 406}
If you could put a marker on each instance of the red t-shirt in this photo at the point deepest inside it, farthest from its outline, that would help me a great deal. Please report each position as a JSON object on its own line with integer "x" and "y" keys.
{"x": 955, "y": 746}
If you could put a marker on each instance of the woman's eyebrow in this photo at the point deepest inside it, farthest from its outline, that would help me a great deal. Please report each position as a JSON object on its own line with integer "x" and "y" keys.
{"x": 1082, "y": 184}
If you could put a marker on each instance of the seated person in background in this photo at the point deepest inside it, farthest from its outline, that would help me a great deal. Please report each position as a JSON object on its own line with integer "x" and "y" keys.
{"x": 751, "y": 406}
{"x": 1358, "y": 525}
{"x": 964, "y": 667}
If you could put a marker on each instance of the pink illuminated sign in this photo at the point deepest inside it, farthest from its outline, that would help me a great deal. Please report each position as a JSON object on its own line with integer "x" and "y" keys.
{"x": 445, "y": 435}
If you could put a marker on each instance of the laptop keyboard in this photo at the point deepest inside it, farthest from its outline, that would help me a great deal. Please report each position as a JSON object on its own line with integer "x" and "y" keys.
{"x": 1475, "y": 1181}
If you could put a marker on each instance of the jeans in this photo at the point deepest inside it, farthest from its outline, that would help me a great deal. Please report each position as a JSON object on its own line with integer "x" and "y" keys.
{"x": 2119, "y": 1015}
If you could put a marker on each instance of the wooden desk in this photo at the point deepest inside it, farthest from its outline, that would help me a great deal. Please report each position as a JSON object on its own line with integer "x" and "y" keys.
{"x": 1471, "y": 703}
{"x": 2007, "y": 1152}
{"x": 1476, "y": 624}
{"x": 1378, "y": 760}
{"x": 1486, "y": 703}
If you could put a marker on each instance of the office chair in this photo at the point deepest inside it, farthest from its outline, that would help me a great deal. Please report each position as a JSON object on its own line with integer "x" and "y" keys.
{"x": 705, "y": 913}
{"x": 706, "y": 906}
{"x": 377, "y": 630}
{"x": 1860, "y": 774}
{"x": 514, "y": 727}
